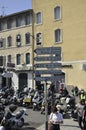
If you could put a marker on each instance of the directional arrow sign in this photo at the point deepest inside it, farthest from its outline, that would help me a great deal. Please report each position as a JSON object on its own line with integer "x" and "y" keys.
{"x": 48, "y": 50}
{"x": 38, "y": 72}
{"x": 52, "y": 78}
{"x": 48, "y": 58}
{"x": 48, "y": 65}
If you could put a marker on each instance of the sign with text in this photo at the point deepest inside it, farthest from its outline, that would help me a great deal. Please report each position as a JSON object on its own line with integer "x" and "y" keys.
{"x": 38, "y": 72}
{"x": 48, "y": 58}
{"x": 48, "y": 65}
{"x": 48, "y": 50}
{"x": 52, "y": 78}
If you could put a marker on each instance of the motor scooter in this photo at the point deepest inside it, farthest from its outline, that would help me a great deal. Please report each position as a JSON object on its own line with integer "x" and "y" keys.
{"x": 15, "y": 122}
{"x": 37, "y": 102}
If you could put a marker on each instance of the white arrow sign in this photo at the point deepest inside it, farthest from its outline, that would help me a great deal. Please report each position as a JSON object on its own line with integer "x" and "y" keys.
{"x": 47, "y": 72}
{"x": 48, "y": 65}
{"x": 48, "y": 50}
{"x": 52, "y": 78}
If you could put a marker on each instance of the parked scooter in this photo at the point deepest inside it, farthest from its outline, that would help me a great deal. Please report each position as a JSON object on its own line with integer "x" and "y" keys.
{"x": 13, "y": 121}
{"x": 48, "y": 107}
{"x": 37, "y": 102}
{"x": 2, "y": 111}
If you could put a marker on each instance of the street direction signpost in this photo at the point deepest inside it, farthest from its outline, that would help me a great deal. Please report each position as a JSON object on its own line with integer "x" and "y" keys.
{"x": 48, "y": 50}
{"x": 50, "y": 54}
{"x": 48, "y": 65}
{"x": 38, "y": 72}
{"x": 48, "y": 58}
{"x": 48, "y": 78}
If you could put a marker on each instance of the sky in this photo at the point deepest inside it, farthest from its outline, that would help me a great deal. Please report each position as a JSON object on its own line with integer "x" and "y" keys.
{"x": 12, "y": 6}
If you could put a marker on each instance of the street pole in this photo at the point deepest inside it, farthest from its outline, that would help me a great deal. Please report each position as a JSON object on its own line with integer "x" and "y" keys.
{"x": 46, "y": 113}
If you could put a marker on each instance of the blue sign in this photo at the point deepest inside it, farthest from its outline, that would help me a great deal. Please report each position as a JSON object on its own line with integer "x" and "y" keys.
{"x": 47, "y": 72}
{"x": 48, "y": 65}
{"x": 48, "y": 50}
{"x": 48, "y": 58}
{"x": 52, "y": 78}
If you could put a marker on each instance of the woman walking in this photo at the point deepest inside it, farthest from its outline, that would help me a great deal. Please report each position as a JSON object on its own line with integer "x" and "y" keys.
{"x": 55, "y": 119}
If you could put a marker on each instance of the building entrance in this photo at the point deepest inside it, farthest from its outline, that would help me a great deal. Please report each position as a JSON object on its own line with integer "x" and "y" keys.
{"x": 22, "y": 81}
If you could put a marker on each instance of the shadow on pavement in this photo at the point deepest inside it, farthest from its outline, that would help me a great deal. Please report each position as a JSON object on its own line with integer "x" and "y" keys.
{"x": 70, "y": 126}
{"x": 28, "y": 128}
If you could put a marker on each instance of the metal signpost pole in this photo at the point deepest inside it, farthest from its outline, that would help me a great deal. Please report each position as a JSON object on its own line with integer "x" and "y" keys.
{"x": 46, "y": 113}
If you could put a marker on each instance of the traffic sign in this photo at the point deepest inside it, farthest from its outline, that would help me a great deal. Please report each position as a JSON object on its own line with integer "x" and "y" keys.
{"x": 48, "y": 58}
{"x": 48, "y": 50}
{"x": 48, "y": 65}
{"x": 52, "y": 78}
{"x": 47, "y": 72}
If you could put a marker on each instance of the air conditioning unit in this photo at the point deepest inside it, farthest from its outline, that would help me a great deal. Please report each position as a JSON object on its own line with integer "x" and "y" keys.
{"x": 84, "y": 67}
{"x": 18, "y": 44}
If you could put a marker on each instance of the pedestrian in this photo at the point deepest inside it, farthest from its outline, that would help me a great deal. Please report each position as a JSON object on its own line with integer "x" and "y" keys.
{"x": 79, "y": 110}
{"x": 84, "y": 118}
{"x": 55, "y": 119}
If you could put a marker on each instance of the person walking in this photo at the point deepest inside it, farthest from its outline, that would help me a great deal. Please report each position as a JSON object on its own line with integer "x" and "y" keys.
{"x": 84, "y": 117}
{"x": 55, "y": 119}
{"x": 79, "y": 110}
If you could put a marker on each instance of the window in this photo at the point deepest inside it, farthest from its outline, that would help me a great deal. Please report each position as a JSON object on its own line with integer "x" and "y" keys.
{"x": 18, "y": 59}
{"x": 9, "y": 24}
{"x": 1, "y": 43}
{"x": 27, "y": 58}
{"x": 1, "y": 60}
{"x": 18, "y": 21}
{"x": 18, "y": 40}
{"x": 9, "y": 58}
{"x": 38, "y": 18}
{"x": 1, "y": 26}
{"x": 58, "y": 35}
{"x": 9, "y": 41}
{"x": 28, "y": 19}
{"x": 27, "y": 38}
{"x": 57, "y": 13}
{"x": 38, "y": 38}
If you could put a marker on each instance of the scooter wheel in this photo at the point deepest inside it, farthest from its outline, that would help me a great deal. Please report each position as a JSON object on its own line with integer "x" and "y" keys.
{"x": 33, "y": 108}
{"x": 22, "y": 119}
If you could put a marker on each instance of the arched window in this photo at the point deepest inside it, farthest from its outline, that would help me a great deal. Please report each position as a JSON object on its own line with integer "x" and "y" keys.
{"x": 27, "y": 58}
{"x": 27, "y": 38}
{"x": 57, "y": 12}
{"x": 18, "y": 40}
{"x": 39, "y": 38}
{"x": 58, "y": 35}
{"x": 38, "y": 18}
{"x": 9, "y": 41}
{"x": 18, "y": 59}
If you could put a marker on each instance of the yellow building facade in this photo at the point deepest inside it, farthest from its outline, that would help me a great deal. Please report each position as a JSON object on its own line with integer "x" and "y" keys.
{"x": 16, "y": 50}
{"x": 62, "y": 24}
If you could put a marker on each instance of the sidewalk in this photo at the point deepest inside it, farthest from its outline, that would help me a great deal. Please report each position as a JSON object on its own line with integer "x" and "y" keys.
{"x": 68, "y": 124}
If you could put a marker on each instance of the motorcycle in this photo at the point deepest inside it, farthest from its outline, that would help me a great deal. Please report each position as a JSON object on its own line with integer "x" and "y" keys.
{"x": 2, "y": 111}
{"x": 48, "y": 107}
{"x": 37, "y": 101}
{"x": 14, "y": 122}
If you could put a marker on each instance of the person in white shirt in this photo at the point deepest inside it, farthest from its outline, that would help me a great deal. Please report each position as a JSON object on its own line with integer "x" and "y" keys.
{"x": 80, "y": 107}
{"x": 55, "y": 119}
